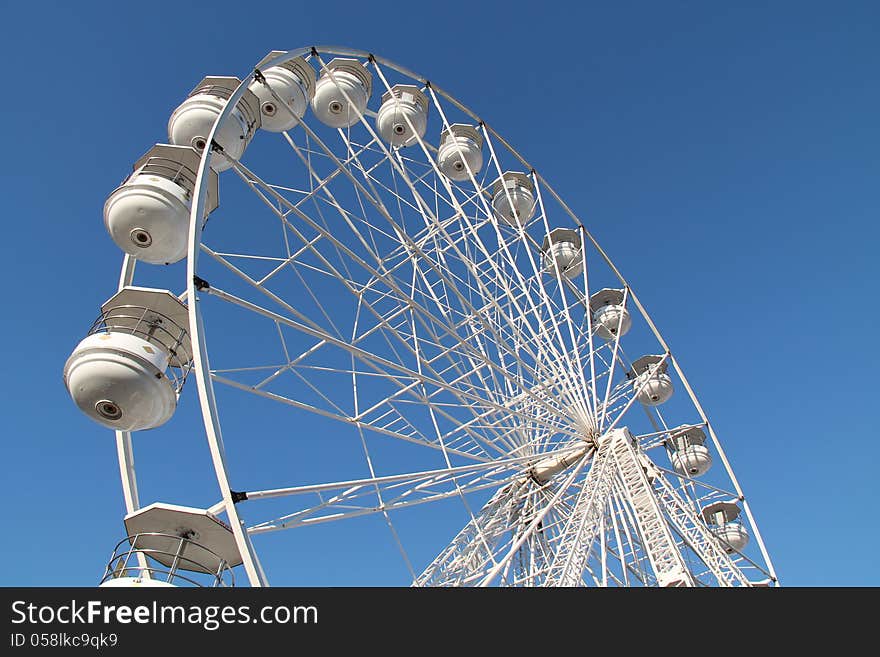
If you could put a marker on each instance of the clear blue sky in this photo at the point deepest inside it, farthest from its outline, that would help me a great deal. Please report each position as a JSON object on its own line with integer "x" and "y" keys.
{"x": 726, "y": 155}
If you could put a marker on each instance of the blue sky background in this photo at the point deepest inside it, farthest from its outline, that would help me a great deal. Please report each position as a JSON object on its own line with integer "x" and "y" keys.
{"x": 726, "y": 157}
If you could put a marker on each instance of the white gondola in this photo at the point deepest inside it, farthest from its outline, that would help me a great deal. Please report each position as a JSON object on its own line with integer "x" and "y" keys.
{"x": 128, "y": 372}
{"x": 650, "y": 380}
{"x": 690, "y": 457}
{"x": 293, "y": 83}
{"x": 148, "y": 215}
{"x": 191, "y": 122}
{"x": 169, "y": 546}
{"x": 342, "y": 92}
{"x": 733, "y": 535}
{"x": 513, "y": 198}
{"x": 460, "y": 155}
{"x": 762, "y": 583}
{"x": 610, "y": 316}
{"x": 721, "y": 517}
{"x": 403, "y": 116}
{"x": 562, "y": 252}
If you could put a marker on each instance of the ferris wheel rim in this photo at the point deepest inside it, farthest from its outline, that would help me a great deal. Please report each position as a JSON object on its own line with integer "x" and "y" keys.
{"x": 195, "y": 286}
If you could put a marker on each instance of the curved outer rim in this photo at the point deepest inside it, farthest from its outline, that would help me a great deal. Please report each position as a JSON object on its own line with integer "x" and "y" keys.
{"x": 208, "y": 403}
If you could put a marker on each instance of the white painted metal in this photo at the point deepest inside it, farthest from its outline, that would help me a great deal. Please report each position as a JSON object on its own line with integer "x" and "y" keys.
{"x": 692, "y": 461}
{"x": 341, "y": 93}
{"x": 147, "y": 216}
{"x": 662, "y": 552}
{"x": 650, "y": 380}
{"x": 686, "y": 436}
{"x": 156, "y": 315}
{"x": 733, "y": 535}
{"x": 548, "y": 467}
{"x": 470, "y": 339}
{"x": 689, "y": 455}
{"x": 470, "y": 552}
{"x": 118, "y": 380}
{"x": 693, "y": 398}
{"x": 576, "y": 540}
{"x": 403, "y": 115}
{"x": 201, "y": 366}
{"x": 160, "y": 529}
{"x": 499, "y": 528}
{"x": 513, "y": 198}
{"x": 721, "y": 511}
{"x": 171, "y": 545}
{"x": 699, "y": 538}
{"x": 124, "y": 447}
{"x": 284, "y": 92}
{"x": 119, "y": 374}
{"x": 562, "y": 251}
{"x": 460, "y": 156}
{"x": 609, "y": 313}
{"x": 125, "y": 455}
{"x": 193, "y": 120}
{"x": 142, "y": 581}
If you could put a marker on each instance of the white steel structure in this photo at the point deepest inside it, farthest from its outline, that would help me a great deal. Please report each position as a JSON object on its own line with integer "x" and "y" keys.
{"x": 405, "y": 287}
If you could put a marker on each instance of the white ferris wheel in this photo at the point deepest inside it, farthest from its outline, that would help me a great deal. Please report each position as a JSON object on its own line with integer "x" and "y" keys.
{"x": 392, "y": 295}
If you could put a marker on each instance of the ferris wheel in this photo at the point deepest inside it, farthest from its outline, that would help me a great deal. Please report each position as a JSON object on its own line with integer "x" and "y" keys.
{"x": 391, "y": 295}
